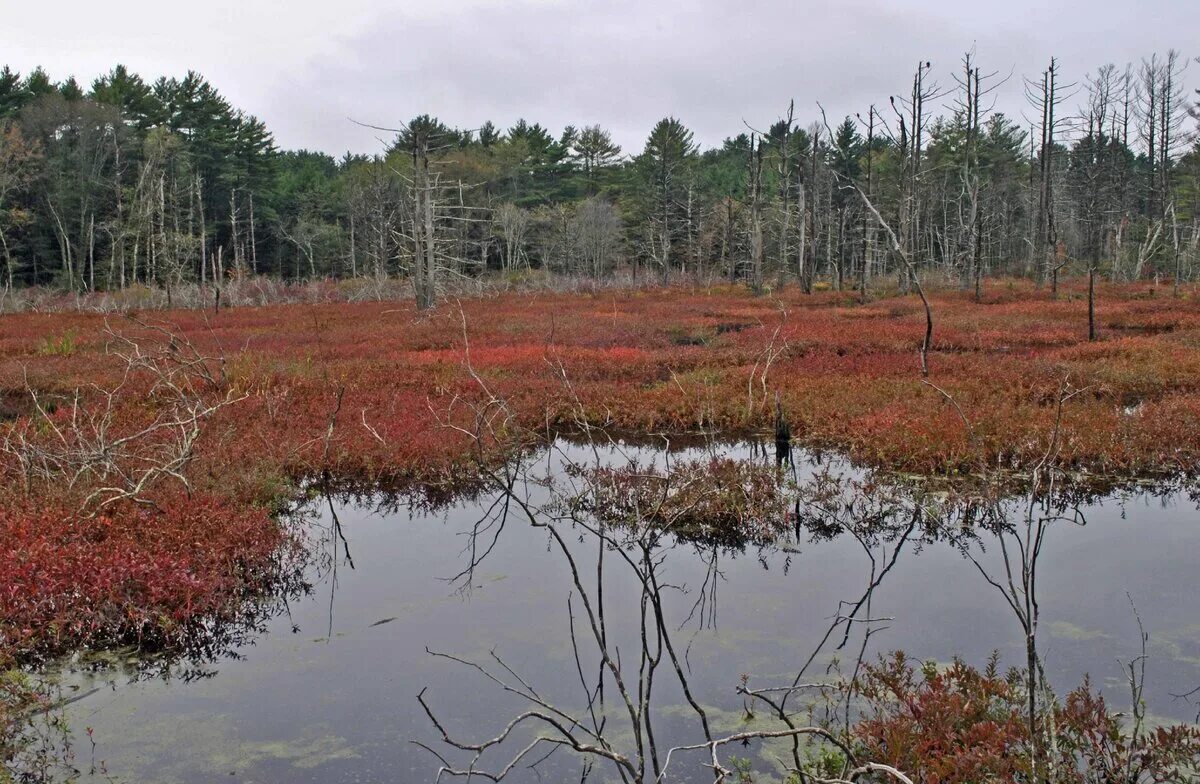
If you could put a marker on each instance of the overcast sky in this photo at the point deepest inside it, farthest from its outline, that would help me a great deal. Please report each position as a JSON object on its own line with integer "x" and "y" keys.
{"x": 306, "y": 66}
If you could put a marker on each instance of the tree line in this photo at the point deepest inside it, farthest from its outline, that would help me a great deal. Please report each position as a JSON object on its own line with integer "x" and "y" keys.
{"x": 129, "y": 182}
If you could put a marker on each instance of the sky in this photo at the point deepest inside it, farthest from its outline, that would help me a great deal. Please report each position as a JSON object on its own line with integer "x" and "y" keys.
{"x": 310, "y": 68}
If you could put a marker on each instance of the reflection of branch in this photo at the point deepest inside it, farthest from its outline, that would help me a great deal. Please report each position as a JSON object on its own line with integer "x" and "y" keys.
{"x": 610, "y": 507}
{"x": 1136, "y": 672}
{"x": 846, "y": 619}
{"x": 491, "y": 520}
{"x": 337, "y": 528}
{"x": 705, "y": 605}
{"x": 1018, "y": 585}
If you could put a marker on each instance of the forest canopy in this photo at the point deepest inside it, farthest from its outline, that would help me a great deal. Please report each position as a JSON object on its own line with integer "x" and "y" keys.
{"x": 165, "y": 183}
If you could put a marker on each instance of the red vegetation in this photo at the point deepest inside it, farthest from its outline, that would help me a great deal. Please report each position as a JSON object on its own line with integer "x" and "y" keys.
{"x": 643, "y": 361}
{"x": 713, "y": 500}
{"x": 960, "y": 725}
{"x": 955, "y": 726}
{"x": 137, "y": 576}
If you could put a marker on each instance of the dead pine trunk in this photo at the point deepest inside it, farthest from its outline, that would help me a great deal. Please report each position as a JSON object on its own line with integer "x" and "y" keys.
{"x": 203, "y": 230}
{"x": 218, "y": 276}
{"x": 425, "y": 299}
{"x": 1091, "y": 303}
{"x": 978, "y": 268}
{"x": 756, "y": 230}
{"x": 802, "y": 241}
{"x": 253, "y": 244}
{"x": 865, "y": 267}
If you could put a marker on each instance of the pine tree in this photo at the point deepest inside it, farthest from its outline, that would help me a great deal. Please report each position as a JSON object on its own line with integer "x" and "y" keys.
{"x": 594, "y": 152}
{"x": 13, "y": 94}
{"x": 663, "y": 172}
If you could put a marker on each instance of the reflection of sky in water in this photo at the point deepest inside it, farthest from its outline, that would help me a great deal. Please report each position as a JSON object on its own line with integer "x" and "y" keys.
{"x": 309, "y": 706}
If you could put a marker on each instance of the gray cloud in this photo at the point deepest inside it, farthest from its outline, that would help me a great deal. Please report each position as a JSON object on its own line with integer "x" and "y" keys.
{"x": 621, "y": 63}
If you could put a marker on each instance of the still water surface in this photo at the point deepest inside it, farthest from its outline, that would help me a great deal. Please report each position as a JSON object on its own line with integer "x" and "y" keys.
{"x": 327, "y": 692}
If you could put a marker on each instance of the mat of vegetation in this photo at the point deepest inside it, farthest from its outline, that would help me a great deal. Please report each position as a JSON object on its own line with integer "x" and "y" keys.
{"x": 367, "y": 391}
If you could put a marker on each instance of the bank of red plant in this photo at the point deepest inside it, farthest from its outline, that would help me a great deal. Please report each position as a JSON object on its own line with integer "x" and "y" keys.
{"x": 847, "y": 376}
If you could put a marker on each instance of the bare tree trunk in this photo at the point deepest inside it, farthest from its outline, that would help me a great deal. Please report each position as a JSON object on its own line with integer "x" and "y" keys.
{"x": 785, "y": 190}
{"x": 92, "y": 252}
{"x": 864, "y": 267}
{"x": 727, "y": 258}
{"x": 756, "y": 230}
{"x": 8, "y": 260}
{"x": 253, "y": 243}
{"x": 203, "y": 232}
{"x": 802, "y": 240}
{"x": 64, "y": 247}
{"x": 1091, "y": 303}
{"x": 218, "y": 276}
{"x": 233, "y": 229}
{"x": 425, "y": 250}
{"x": 810, "y": 267}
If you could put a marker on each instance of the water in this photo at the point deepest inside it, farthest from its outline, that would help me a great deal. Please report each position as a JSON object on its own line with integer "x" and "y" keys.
{"x": 328, "y": 691}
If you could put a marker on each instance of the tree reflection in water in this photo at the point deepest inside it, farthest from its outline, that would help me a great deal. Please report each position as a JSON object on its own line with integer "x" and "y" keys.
{"x": 621, "y": 522}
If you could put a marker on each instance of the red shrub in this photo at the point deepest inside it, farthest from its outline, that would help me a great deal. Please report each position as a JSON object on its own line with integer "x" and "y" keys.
{"x": 847, "y": 376}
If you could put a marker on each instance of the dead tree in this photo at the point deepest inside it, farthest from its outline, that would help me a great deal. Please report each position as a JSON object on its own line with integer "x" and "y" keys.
{"x": 88, "y": 451}
{"x": 784, "y": 169}
{"x": 1046, "y": 96}
{"x": 911, "y": 117}
{"x": 974, "y": 91}
{"x": 1097, "y": 171}
{"x": 899, "y": 247}
{"x": 1020, "y": 528}
{"x": 511, "y": 224}
{"x": 754, "y": 168}
{"x": 423, "y": 186}
{"x": 867, "y": 230}
{"x": 1160, "y": 113}
{"x": 808, "y": 208}
{"x": 434, "y": 206}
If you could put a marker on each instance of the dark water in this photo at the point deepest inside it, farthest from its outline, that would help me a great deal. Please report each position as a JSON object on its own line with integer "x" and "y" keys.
{"x": 328, "y": 693}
